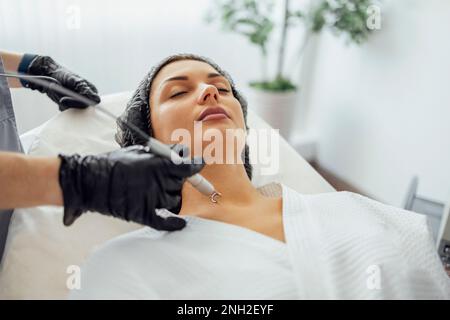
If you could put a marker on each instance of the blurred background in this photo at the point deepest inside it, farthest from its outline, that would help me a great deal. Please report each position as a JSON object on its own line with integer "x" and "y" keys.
{"x": 368, "y": 104}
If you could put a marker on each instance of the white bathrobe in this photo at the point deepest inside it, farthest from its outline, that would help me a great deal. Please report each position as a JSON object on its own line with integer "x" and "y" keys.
{"x": 339, "y": 245}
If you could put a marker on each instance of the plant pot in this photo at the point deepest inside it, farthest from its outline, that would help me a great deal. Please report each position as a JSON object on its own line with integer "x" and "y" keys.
{"x": 276, "y": 108}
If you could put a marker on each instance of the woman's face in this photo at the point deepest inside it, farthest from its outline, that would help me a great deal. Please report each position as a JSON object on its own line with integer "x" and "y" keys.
{"x": 180, "y": 94}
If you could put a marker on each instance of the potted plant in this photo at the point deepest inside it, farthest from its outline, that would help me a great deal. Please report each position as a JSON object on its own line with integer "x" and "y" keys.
{"x": 275, "y": 97}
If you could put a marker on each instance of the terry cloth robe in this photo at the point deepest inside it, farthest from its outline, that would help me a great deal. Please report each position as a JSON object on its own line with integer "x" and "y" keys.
{"x": 339, "y": 245}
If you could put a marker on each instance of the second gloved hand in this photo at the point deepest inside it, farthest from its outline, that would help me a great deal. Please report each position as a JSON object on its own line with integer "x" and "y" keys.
{"x": 46, "y": 66}
{"x": 128, "y": 183}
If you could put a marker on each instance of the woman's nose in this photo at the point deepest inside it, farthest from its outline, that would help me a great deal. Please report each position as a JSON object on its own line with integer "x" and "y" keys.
{"x": 209, "y": 94}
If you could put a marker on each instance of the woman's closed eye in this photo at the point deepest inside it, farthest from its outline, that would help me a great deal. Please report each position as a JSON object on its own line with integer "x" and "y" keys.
{"x": 183, "y": 92}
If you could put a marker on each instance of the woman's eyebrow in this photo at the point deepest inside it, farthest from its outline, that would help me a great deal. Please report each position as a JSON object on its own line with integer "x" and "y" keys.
{"x": 210, "y": 75}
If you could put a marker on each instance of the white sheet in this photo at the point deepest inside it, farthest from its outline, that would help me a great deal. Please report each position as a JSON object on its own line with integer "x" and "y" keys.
{"x": 338, "y": 246}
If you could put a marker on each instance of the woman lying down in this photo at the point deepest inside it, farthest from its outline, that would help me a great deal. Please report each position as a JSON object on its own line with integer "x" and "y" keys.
{"x": 267, "y": 243}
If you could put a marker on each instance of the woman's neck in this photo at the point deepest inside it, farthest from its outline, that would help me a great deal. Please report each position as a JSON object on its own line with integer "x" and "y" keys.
{"x": 231, "y": 181}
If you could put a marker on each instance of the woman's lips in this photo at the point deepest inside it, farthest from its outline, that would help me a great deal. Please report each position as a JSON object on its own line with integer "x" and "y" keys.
{"x": 213, "y": 113}
{"x": 215, "y": 116}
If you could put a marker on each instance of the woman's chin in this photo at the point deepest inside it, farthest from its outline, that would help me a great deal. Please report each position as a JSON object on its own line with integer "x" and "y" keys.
{"x": 221, "y": 151}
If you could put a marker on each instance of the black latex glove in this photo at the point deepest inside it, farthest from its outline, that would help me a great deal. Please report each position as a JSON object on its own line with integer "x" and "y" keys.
{"x": 46, "y": 66}
{"x": 128, "y": 183}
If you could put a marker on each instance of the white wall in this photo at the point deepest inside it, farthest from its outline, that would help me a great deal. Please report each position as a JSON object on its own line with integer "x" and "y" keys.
{"x": 118, "y": 41}
{"x": 381, "y": 111}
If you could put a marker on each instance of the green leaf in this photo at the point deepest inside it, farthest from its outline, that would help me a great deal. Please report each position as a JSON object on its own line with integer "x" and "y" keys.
{"x": 276, "y": 85}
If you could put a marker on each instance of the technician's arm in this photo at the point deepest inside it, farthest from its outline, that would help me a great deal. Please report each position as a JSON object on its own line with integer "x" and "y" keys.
{"x": 11, "y": 62}
{"x": 29, "y": 181}
{"x": 36, "y": 65}
{"x": 129, "y": 183}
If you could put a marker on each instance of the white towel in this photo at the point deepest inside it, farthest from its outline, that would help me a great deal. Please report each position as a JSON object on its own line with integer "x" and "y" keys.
{"x": 339, "y": 245}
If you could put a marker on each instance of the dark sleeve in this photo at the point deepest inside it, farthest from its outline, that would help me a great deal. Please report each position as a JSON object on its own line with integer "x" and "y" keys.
{"x": 9, "y": 141}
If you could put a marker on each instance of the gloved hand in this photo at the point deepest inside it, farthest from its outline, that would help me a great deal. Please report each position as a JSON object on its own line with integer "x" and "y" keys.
{"x": 46, "y": 66}
{"x": 128, "y": 183}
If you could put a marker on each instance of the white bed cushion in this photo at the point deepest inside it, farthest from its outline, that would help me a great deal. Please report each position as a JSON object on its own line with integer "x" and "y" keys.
{"x": 39, "y": 248}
